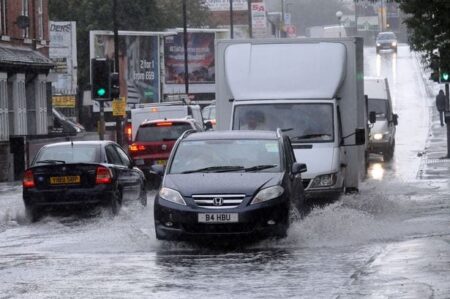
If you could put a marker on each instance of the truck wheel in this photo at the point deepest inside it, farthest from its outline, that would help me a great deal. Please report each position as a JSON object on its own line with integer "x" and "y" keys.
{"x": 389, "y": 154}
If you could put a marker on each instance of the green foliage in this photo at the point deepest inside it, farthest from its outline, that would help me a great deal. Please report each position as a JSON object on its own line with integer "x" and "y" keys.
{"x": 429, "y": 30}
{"x": 136, "y": 15}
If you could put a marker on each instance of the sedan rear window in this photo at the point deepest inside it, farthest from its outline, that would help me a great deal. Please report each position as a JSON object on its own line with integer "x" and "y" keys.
{"x": 162, "y": 131}
{"x": 68, "y": 154}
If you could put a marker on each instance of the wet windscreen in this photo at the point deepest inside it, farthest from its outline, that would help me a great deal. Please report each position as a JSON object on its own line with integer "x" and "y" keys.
{"x": 227, "y": 155}
{"x": 301, "y": 122}
{"x": 161, "y": 131}
{"x": 386, "y": 36}
{"x": 85, "y": 153}
{"x": 379, "y": 107}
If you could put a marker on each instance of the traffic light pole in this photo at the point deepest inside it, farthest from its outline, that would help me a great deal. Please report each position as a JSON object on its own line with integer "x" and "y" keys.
{"x": 119, "y": 119}
{"x": 446, "y": 118}
{"x": 101, "y": 129}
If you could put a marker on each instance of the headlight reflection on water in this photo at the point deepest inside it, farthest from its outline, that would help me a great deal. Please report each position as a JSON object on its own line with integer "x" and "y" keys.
{"x": 376, "y": 171}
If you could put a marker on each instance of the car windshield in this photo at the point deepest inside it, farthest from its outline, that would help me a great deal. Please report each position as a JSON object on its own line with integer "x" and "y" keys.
{"x": 301, "y": 122}
{"x": 386, "y": 36}
{"x": 379, "y": 107}
{"x": 161, "y": 131}
{"x": 226, "y": 155}
{"x": 78, "y": 153}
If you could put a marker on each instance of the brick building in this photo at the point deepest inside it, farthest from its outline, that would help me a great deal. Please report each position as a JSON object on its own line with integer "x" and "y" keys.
{"x": 24, "y": 88}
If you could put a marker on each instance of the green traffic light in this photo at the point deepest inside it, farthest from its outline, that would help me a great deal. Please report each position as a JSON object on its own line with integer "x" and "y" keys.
{"x": 101, "y": 92}
{"x": 445, "y": 76}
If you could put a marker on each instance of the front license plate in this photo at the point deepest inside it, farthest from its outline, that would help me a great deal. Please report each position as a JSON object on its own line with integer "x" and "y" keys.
{"x": 63, "y": 180}
{"x": 218, "y": 217}
{"x": 161, "y": 162}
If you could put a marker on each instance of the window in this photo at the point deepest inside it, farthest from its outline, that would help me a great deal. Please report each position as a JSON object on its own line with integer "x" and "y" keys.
{"x": 40, "y": 30}
{"x": 3, "y": 15}
{"x": 113, "y": 157}
{"x": 123, "y": 156}
{"x": 25, "y": 31}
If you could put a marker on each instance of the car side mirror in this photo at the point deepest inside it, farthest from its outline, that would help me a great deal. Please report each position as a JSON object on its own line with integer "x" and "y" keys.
{"x": 298, "y": 168}
{"x": 395, "y": 119}
{"x": 360, "y": 136}
{"x": 372, "y": 117}
{"x": 208, "y": 125}
{"x": 157, "y": 169}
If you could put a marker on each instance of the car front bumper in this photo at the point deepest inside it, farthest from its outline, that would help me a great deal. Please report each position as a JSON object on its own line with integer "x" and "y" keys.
{"x": 252, "y": 220}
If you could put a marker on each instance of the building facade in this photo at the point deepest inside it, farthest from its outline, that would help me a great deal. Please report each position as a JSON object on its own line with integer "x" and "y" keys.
{"x": 25, "y": 93}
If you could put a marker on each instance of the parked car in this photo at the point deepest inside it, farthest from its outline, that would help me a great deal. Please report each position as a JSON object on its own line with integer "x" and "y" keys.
{"x": 386, "y": 40}
{"x": 81, "y": 173}
{"x": 154, "y": 140}
{"x": 228, "y": 183}
{"x": 382, "y": 132}
{"x": 65, "y": 125}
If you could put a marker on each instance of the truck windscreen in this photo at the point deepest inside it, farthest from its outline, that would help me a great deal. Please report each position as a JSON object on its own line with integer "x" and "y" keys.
{"x": 302, "y": 122}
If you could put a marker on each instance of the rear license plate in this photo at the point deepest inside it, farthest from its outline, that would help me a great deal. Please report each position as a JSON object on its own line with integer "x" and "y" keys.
{"x": 218, "y": 217}
{"x": 161, "y": 162}
{"x": 65, "y": 180}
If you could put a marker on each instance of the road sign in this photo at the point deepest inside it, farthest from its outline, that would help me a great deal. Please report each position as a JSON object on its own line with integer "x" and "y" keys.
{"x": 291, "y": 31}
{"x": 119, "y": 107}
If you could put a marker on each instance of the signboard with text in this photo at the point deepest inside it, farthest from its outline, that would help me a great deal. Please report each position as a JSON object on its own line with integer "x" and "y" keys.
{"x": 224, "y": 5}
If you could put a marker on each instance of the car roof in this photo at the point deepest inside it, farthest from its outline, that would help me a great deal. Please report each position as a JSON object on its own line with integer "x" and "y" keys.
{"x": 87, "y": 142}
{"x": 386, "y": 33}
{"x": 235, "y": 134}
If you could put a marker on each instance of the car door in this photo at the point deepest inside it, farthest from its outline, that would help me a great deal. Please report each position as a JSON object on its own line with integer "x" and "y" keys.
{"x": 133, "y": 177}
{"x": 296, "y": 180}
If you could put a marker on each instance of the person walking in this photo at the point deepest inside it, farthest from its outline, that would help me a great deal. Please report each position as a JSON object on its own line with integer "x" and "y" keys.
{"x": 440, "y": 105}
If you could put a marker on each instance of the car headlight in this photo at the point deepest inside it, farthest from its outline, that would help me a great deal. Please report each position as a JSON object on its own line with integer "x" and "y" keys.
{"x": 172, "y": 196}
{"x": 324, "y": 180}
{"x": 394, "y": 44}
{"x": 378, "y": 136}
{"x": 268, "y": 194}
{"x": 378, "y": 44}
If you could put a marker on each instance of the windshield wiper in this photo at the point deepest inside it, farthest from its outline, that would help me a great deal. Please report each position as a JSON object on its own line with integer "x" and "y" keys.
{"x": 51, "y": 162}
{"x": 308, "y": 136}
{"x": 260, "y": 167}
{"x": 215, "y": 169}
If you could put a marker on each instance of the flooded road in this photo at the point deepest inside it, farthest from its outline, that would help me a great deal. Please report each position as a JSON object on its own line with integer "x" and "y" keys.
{"x": 392, "y": 240}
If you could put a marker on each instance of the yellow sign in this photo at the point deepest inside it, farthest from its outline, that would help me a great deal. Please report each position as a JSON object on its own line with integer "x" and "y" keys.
{"x": 66, "y": 101}
{"x": 119, "y": 107}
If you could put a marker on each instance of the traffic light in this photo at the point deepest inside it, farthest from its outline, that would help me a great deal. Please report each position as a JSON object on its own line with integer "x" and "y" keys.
{"x": 115, "y": 85}
{"x": 100, "y": 70}
{"x": 444, "y": 76}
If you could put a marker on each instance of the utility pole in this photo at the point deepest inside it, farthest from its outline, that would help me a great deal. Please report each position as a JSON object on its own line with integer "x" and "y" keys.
{"x": 119, "y": 123}
{"x": 185, "y": 46}
{"x": 447, "y": 118}
{"x": 250, "y": 26}
{"x": 231, "y": 19}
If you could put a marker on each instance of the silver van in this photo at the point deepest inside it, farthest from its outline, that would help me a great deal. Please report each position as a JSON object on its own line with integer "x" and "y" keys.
{"x": 382, "y": 131}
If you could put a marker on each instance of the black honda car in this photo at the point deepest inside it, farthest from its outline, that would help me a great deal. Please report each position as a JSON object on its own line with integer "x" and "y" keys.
{"x": 228, "y": 183}
{"x": 81, "y": 173}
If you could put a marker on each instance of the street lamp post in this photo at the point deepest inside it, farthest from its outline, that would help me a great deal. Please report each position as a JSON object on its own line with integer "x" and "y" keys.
{"x": 339, "y": 17}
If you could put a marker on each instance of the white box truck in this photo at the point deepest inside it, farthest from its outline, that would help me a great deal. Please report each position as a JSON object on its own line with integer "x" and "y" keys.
{"x": 313, "y": 90}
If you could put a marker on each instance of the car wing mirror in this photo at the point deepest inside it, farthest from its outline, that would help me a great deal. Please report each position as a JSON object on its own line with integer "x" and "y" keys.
{"x": 157, "y": 169}
{"x": 372, "y": 117}
{"x": 298, "y": 168}
{"x": 395, "y": 119}
{"x": 208, "y": 125}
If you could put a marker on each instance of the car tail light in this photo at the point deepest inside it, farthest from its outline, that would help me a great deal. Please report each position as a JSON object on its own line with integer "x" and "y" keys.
{"x": 28, "y": 179}
{"x": 103, "y": 176}
{"x": 136, "y": 147}
{"x": 164, "y": 124}
{"x": 129, "y": 131}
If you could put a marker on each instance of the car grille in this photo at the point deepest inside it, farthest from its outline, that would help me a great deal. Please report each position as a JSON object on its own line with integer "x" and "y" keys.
{"x": 218, "y": 201}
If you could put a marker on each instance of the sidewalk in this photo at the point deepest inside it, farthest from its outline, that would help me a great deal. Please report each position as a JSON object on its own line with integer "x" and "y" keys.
{"x": 435, "y": 164}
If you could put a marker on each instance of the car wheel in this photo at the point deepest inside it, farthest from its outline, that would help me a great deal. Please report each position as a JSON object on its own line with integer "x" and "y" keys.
{"x": 389, "y": 154}
{"x": 116, "y": 203}
{"x": 32, "y": 213}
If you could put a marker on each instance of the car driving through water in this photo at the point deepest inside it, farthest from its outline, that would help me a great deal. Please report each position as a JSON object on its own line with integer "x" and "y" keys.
{"x": 229, "y": 183}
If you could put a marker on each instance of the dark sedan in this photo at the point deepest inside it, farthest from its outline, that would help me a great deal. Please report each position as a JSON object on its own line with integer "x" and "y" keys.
{"x": 81, "y": 173}
{"x": 386, "y": 40}
{"x": 229, "y": 184}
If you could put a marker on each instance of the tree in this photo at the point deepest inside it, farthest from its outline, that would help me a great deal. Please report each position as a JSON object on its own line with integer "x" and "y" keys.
{"x": 429, "y": 30}
{"x": 136, "y": 15}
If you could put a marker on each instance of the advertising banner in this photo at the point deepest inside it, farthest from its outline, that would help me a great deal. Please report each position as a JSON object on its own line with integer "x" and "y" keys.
{"x": 139, "y": 64}
{"x": 201, "y": 64}
{"x": 63, "y": 53}
{"x": 224, "y": 5}
{"x": 259, "y": 20}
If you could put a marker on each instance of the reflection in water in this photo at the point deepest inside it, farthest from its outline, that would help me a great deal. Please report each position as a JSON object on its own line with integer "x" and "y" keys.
{"x": 376, "y": 171}
{"x": 378, "y": 65}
